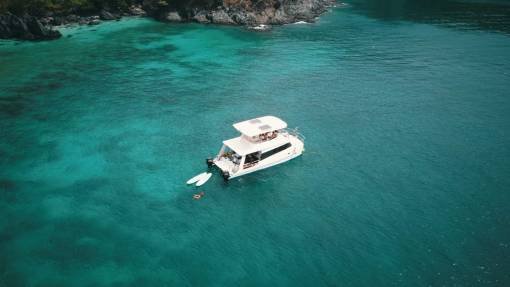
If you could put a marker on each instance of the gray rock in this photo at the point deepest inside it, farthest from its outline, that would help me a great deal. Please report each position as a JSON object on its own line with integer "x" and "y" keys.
{"x": 201, "y": 17}
{"x": 105, "y": 15}
{"x": 46, "y": 20}
{"x": 34, "y": 26}
{"x": 136, "y": 11}
{"x": 173, "y": 17}
{"x": 72, "y": 18}
{"x": 57, "y": 21}
{"x": 279, "y": 17}
{"x": 155, "y": 8}
{"x": 242, "y": 18}
{"x": 12, "y": 27}
{"x": 305, "y": 10}
{"x": 221, "y": 17}
{"x": 27, "y": 28}
{"x": 262, "y": 18}
{"x": 250, "y": 13}
{"x": 94, "y": 22}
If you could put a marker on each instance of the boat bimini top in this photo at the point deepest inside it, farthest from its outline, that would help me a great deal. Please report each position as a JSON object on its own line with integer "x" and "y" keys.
{"x": 251, "y": 132}
{"x": 257, "y": 126}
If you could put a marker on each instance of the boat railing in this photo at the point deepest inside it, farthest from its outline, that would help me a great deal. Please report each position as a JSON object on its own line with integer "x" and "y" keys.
{"x": 295, "y": 132}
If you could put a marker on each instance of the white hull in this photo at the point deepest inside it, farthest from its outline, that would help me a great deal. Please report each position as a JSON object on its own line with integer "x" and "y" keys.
{"x": 295, "y": 150}
{"x": 254, "y": 169}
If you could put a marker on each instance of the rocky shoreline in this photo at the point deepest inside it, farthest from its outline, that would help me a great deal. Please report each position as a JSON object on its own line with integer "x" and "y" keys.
{"x": 33, "y": 28}
{"x": 260, "y": 16}
{"x": 260, "y": 13}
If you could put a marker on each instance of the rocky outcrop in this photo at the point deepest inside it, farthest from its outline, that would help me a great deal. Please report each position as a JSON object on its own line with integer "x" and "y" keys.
{"x": 237, "y": 12}
{"x": 257, "y": 14}
{"x": 135, "y": 10}
{"x": 220, "y": 16}
{"x": 201, "y": 17}
{"x": 173, "y": 17}
{"x": 25, "y": 28}
{"x": 105, "y": 15}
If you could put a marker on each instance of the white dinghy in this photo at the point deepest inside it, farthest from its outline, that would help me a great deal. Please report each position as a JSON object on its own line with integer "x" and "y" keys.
{"x": 196, "y": 178}
{"x": 204, "y": 179}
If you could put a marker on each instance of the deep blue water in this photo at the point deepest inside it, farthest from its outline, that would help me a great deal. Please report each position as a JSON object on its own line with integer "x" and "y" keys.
{"x": 404, "y": 182}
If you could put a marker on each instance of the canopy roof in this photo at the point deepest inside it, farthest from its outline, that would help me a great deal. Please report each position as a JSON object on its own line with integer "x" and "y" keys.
{"x": 260, "y": 125}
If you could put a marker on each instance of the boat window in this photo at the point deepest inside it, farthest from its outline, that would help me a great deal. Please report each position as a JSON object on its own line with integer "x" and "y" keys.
{"x": 252, "y": 157}
{"x": 275, "y": 150}
{"x": 227, "y": 152}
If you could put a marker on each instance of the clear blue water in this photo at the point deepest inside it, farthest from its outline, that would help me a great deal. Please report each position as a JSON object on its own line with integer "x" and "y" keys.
{"x": 404, "y": 182}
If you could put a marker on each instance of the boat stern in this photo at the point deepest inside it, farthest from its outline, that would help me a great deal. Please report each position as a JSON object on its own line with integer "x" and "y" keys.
{"x": 226, "y": 166}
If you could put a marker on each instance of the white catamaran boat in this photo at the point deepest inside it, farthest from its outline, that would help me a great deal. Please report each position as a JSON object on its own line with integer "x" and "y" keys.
{"x": 264, "y": 142}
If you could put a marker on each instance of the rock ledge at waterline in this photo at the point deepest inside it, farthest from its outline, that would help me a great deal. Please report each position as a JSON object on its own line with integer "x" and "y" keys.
{"x": 44, "y": 25}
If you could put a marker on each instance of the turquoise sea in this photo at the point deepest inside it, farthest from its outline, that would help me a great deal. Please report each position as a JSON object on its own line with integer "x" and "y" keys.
{"x": 405, "y": 181}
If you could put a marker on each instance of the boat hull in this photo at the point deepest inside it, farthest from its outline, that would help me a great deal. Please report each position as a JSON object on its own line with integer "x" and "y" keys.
{"x": 296, "y": 149}
{"x": 254, "y": 169}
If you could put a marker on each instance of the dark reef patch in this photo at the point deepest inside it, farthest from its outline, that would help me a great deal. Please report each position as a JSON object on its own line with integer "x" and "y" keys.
{"x": 37, "y": 87}
{"x": 12, "y": 109}
{"x": 78, "y": 241}
{"x": 167, "y": 48}
{"x": 7, "y": 185}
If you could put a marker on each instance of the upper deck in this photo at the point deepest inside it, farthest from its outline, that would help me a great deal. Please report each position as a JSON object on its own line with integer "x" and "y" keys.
{"x": 255, "y": 127}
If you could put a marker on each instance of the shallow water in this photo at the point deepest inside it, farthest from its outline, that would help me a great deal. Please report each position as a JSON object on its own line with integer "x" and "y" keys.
{"x": 404, "y": 180}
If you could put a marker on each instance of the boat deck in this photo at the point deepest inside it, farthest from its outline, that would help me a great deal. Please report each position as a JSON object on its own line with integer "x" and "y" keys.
{"x": 225, "y": 164}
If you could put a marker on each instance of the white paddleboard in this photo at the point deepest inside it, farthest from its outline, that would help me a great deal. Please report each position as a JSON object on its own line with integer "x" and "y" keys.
{"x": 196, "y": 178}
{"x": 204, "y": 179}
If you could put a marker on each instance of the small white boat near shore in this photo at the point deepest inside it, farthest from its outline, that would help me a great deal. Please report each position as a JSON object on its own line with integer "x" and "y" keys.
{"x": 264, "y": 142}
